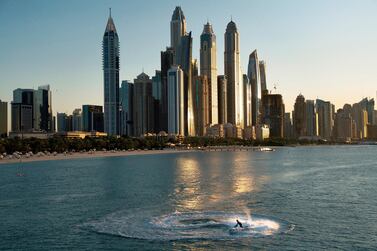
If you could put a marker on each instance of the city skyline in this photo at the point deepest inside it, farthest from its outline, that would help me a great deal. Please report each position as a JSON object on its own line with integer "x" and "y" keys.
{"x": 128, "y": 69}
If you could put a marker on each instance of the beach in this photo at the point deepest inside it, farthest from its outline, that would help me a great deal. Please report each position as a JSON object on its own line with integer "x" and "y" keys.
{"x": 86, "y": 155}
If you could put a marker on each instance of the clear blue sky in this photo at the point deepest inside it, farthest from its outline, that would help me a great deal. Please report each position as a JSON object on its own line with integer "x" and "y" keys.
{"x": 322, "y": 48}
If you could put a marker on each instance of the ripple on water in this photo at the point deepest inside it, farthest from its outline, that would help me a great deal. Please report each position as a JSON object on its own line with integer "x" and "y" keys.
{"x": 208, "y": 225}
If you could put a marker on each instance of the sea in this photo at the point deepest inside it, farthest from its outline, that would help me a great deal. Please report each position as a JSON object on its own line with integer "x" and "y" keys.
{"x": 294, "y": 198}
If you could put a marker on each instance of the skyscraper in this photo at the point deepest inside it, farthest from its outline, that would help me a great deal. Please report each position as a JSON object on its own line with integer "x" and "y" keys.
{"x": 273, "y": 111}
{"x": 253, "y": 73}
{"x": 110, "y": 52}
{"x": 263, "y": 80}
{"x": 208, "y": 68}
{"x": 247, "y": 98}
{"x": 299, "y": 117}
{"x": 3, "y": 119}
{"x": 143, "y": 112}
{"x": 76, "y": 120}
{"x": 311, "y": 119}
{"x": 43, "y": 119}
{"x": 325, "y": 118}
{"x": 167, "y": 59}
{"x": 232, "y": 72}
{"x": 201, "y": 104}
{"x": 177, "y": 29}
{"x": 62, "y": 122}
{"x": 156, "y": 93}
{"x": 126, "y": 100}
{"x": 222, "y": 98}
{"x": 176, "y": 122}
{"x": 184, "y": 60}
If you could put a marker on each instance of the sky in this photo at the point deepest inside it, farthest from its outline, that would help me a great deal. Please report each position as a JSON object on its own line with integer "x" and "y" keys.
{"x": 323, "y": 49}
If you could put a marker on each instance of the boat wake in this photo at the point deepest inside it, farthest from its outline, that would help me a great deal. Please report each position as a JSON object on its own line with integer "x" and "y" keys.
{"x": 209, "y": 225}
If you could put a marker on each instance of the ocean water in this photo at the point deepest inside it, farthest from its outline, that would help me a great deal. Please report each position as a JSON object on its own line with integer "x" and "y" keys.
{"x": 299, "y": 198}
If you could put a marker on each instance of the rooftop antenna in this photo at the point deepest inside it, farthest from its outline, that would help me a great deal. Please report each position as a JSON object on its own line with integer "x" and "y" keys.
{"x": 231, "y": 18}
{"x": 110, "y": 11}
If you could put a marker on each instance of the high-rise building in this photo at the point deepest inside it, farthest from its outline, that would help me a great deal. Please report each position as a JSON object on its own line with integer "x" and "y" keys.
{"x": 232, "y": 72}
{"x": 360, "y": 115}
{"x": 62, "y": 122}
{"x": 222, "y": 98}
{"x": 3, "y": 119}
{"x": 126, "y": 101}
{"x": 253, "y": 73}
{"x": 247, "y": 98}
{"x": 177, "y": 30}
{"x": 311, "y": 119}
{"x": 299, "y": 117}
{"x": 368, "y": 105}
{"x": 184, "y": 60}
{"x": 201, "y": 104}
{"x": 22, "y": 117}
{"x": 92, "y": 118}
{"x": 287, "y": 126}
{"x": 343, "y": 125}
{"x": 26, "y": 98}
{"x": 175, "y": 101}
{"x": 167, "y": 59}
{"x": 325, "y": 118}
{"x": 208, "y": 67}
{"x": 263, "y": 79}
{"x": 42, "y": 106}
{"x": 273, "y": 112}
{"x": 143, "y": 112}
{"x": 156, "y": 93}
{"x": 110, "y": 52}
{"x": 76, "y": 119}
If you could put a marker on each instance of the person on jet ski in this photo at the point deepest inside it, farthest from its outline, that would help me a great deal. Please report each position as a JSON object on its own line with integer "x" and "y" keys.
{"x": 239, "y": 224}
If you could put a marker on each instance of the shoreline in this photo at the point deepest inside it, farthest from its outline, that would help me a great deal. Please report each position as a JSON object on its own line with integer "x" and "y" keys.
{"x": 86, "y": 155}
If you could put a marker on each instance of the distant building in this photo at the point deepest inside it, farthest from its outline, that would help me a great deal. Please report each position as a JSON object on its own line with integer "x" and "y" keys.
{"x": 127, "y": 105}
{"x": 110, "y": 53}
{"x": 288, "y": 130}
{"x": 273, "y": 111}
{"x": 299, "y": 117}
{"x": 215, "y": 131}
{"x": 222, "y": 98}
{"x": 263, "y": 79}
{"x": 262, "y": 132}
{"x": 62, "y": 122}
{"x": 325, "y": 118}
{"x": 143, "y": 113}
{"x": 43, "y": 119}
{"x": 343, "y": 126}
{"x": 76, "y": 120}
{"x": 175, "y": 101}
{"x": 156, "y": 93}
{"x": 372, "y": 132}
{"x": 247, "y": 101}
{"x": 177, "y": 29}
{"x": 3, "y": 119}
{"x": 167, "y": 58}
{"x": 92, "y": 118}
{"x": 368, "y": 105}
{"x": 311, "y": 119}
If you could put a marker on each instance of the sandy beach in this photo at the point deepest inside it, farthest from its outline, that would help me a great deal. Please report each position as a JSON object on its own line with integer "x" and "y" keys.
{"x": 86, "y": 155}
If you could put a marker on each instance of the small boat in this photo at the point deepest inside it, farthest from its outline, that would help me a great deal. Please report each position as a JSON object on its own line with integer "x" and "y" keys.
{"x": 266, "y": 149}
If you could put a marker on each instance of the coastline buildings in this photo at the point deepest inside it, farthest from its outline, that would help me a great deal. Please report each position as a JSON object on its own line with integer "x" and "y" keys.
{"x": 208, "y": 68}
{"x": 92, "y": 118}
{"x": 299, "y": 117}
{"x": 167, "y": 60}
{"x": 325, "y": 118}
{"x": 201, "y": 104}
{"x": 110, "y": 53}
{"x": 311, "y": 119}
{"x": 76, "y": 120}
{"x": 177, "y": 30}
{"x": 273, "y": 112}
{"x": 222, "y": 98}
{"x": 232, "y": 71}
{"x": 3, "y": 119}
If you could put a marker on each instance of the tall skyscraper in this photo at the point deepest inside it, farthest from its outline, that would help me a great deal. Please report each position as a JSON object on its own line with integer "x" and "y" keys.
{"x": 3, "y": 119}
{"x": 253, "y": 73}
{"x": 247, "y": 104}
{"x": 156, "y": 93}
{"x": 22, "y": 117}
{"x": 368, "y": 105}
{"x": 287, "y": 125}
{"x": 222, "y": 98}
{"x": 299, "y": 117}
{"x": 126, "y": 100}
{"x": 176, "y": 122}
{"x": 167, "y": 59}
{"x": 143, "y": 112}
{"x": 76, "y": 120}
{"x": 92, "y": 118}
{"x": 25, "y": 97}
{"x": 177, "y": 29}
{"x": 62, "y": 122}
{"x": 311, "y": 119}
{"x": 201, "y": 104}
{"x": 208, "y": 68}
{"x": 263, "y": 79}
{"x": 110, "y": 52}
{"x": 184, "y": 60}
{"x": 232, "y": 72}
